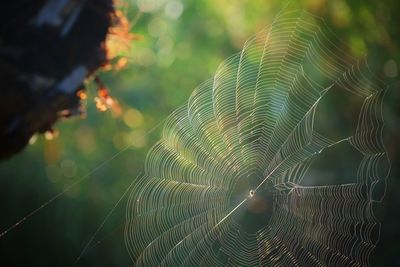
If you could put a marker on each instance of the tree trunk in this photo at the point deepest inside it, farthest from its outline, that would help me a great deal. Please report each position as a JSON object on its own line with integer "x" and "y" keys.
{"x": 47, "y": 49}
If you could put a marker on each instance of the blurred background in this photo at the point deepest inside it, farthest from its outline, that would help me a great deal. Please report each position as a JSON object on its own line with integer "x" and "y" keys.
{"x": 178, "y": 44}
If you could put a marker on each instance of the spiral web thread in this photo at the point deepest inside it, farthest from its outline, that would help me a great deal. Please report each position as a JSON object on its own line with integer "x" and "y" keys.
{"x": 252, "y": 124}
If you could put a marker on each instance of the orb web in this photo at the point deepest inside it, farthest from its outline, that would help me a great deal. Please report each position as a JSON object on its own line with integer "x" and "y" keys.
{"x": 229, "y": 182}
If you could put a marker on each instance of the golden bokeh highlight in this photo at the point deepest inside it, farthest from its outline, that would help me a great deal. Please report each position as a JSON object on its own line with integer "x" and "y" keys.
{"x": 133, "y": 118}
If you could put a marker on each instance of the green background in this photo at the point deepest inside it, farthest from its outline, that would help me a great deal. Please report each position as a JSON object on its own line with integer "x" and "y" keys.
{"x": 176, "y": 52}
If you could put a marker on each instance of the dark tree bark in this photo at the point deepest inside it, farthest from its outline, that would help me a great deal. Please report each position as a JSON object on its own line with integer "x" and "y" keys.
{"x": 47, "y": 49}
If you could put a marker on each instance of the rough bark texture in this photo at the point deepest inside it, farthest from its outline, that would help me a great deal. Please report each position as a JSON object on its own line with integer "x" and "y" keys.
{"x": 47, "y": 49}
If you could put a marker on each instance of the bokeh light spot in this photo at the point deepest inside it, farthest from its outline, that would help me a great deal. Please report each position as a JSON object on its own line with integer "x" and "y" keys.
{"x": 133, "y": 118}
{"x": 33, "y": 139}
{"x": 173, "y": 9}
{"x": 149, "y": 5}
{"x": 137, "y": 138}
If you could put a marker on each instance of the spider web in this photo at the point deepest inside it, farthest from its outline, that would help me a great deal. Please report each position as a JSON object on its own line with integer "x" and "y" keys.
{"x": 225, "y": 186}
